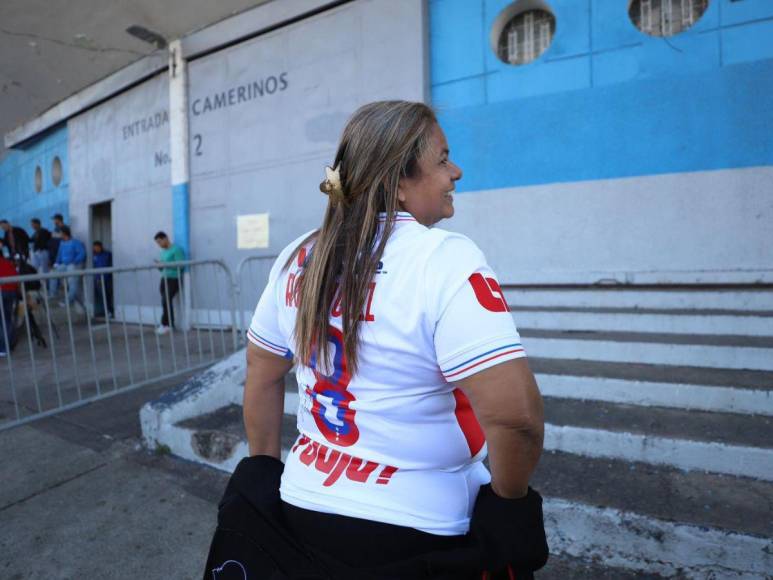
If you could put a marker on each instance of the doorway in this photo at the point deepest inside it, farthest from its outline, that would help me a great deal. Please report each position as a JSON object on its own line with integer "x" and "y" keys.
{"x": 101, "y": 225}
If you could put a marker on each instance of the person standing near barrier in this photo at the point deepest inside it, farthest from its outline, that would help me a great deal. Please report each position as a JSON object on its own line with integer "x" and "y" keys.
{"x": 53, "y": 248}
{"x": 16, "y": 240}
{"x": 41, "y": 242}
{"x": 170, "y": 279}
{"x": 410, "y": 372}
{"x": 8, "y": 291}
{"x": 71, "y": 257}
{"x": 103, "y": 284}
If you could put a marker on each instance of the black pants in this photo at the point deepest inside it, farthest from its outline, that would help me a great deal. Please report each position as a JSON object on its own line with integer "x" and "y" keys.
{"x": 100, "y": 308}
{"x": 169, "y": 288}
{"x": 362, "y": 543}
{"x": 7, "y": 324}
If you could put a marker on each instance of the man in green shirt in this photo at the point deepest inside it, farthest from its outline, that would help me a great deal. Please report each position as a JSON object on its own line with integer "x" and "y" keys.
{"x": 170, "y": 279}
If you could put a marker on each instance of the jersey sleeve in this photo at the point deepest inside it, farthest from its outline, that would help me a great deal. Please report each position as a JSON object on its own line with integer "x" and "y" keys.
{"x": 264, "y": 328}
{"x": 474, "y": 329}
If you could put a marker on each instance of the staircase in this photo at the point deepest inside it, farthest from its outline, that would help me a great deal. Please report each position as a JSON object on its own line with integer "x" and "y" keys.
{"x": 658, "y": 454}
{"x": 659, "y": 425}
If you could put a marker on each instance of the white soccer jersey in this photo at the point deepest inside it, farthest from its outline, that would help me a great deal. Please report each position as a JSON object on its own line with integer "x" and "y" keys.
{"x": 397, "y": 442}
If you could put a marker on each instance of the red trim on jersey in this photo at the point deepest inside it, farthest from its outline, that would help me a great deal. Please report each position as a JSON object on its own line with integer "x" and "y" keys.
{"x": 468, "y": 423}
{"x": 484, "y": 360}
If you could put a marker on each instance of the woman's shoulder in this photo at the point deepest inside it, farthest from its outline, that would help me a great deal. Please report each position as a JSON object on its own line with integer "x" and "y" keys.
{"x": 291, "y": 248}
{"x": 447, "y": 244}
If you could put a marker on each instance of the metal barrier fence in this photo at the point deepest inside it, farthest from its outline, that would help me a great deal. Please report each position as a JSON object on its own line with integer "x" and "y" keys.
{"x": 251, "y": 278}
{"x": 104, "y": 334}
{"x": 101, "y": 335}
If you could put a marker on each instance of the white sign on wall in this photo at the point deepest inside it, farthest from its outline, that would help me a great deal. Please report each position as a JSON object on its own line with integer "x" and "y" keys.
{"x": 252, "y": 231}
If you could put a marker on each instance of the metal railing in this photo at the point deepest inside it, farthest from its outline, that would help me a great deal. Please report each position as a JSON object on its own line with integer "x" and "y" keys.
{"x": 102, "y": 335}
{"x": 112, "y": 329}
{"x": 251, "y": 278}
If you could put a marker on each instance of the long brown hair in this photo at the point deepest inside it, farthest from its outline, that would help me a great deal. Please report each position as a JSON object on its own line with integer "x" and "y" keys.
{"x": 382, "y": 142}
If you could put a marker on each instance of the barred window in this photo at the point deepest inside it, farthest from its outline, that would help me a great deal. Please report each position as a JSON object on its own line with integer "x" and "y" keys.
{"x": 56, "y": 171}
{"x": 38, "y": 179}
{"x": 526, "y": 36}
{"x": 666, "y": 17}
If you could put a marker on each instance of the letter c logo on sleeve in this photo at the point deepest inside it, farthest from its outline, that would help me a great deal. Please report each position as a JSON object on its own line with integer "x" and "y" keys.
{"x": 489, "y": 293}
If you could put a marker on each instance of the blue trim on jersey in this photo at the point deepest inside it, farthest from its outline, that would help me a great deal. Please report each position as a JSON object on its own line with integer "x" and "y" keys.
{"x": 281, "y": 350}
{"x": 476, "y": 357}
{"x": 280, "y": 347}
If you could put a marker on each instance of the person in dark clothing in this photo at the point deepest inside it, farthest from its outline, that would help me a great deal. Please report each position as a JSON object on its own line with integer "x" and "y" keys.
{"x": 101, "y": 258}
{"x": 56, "y": 236}
{"x": 41, "y": 242}
{"x": 15, "y": 239}
{"x": 30, "y": 300}
{"x": 8, "y": 302}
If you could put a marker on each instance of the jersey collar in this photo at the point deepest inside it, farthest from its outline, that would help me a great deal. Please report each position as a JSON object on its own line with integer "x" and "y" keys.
{"x": 400, "y": 217}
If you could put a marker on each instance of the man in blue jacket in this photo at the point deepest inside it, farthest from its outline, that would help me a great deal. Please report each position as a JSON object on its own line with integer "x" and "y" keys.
{"x": 70, "y": 257}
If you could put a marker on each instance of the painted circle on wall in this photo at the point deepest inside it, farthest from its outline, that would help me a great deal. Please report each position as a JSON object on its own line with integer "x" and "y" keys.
{"x": 38, "y": 179}
{"x": 56, "y": 171}
{"x": 665, "y": 17}
{"x": 523, "y": 31}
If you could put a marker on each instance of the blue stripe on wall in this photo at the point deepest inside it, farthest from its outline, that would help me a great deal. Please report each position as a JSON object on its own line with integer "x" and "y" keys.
{"x": 703, "y": 122}
{"x": 605, "y": 100}
{"x": 181, "y": 217}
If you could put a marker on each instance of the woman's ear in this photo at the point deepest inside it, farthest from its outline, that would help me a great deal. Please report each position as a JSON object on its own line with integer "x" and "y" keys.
{"x": 401, "y": 194}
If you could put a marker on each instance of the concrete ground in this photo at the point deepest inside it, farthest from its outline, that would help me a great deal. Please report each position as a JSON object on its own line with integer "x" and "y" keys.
{"x": 81, "y": 499}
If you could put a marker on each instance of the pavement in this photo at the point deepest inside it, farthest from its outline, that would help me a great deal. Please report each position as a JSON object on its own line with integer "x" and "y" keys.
{"x": 81, "y": 498}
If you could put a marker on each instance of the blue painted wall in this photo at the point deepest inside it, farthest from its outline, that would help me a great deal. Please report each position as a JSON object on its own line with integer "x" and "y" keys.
{"x": 605, "y": 100}
{"x": 18, "y": 200}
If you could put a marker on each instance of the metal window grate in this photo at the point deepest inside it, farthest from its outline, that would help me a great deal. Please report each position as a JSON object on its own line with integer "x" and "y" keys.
{"x": 666, "y": 17}
{"x": 526, "y": 36}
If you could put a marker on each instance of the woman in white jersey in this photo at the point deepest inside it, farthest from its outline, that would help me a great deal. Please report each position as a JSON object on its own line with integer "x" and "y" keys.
{"x": 410, "y": 371}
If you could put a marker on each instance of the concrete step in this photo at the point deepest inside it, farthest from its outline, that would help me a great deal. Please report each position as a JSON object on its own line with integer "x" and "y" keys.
{"x": 722, "y": 390}
{"x": 656, "y": 520}
{"x": 731, "y": 322}
{"x": 563, "y": 567}
{"x": 714, "y": 351}
{"x": 605, "y": 518}
{"x": 729, "y": 299}
{"x": 689, "y": 440}
{"x": 670, "y": 495}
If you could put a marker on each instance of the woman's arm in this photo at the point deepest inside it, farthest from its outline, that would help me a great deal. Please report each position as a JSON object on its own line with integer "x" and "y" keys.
{"x": 508, "y": 405}
{"x": 264, "y": 400}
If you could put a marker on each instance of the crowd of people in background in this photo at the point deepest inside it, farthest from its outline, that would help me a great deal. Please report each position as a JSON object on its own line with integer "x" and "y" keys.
{"x": 45, "y": 251}
{"x": 56, "y": 250}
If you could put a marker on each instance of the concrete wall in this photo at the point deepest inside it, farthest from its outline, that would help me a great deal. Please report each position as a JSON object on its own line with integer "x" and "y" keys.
{"x": 120, "y": 153}
{"x": 266, "y": 116}
{"x": 591, "y": 122}
{"x": 264, "y": 119}
{"x": 18, "y": 200}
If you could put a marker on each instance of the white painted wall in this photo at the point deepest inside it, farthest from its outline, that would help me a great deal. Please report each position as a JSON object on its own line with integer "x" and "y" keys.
{"x": 713, "y": 225}
{"x": 268, "y": 153}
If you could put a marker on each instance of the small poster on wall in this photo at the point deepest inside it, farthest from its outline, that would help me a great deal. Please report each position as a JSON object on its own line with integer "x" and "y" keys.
{"x": 252, "y": 231}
